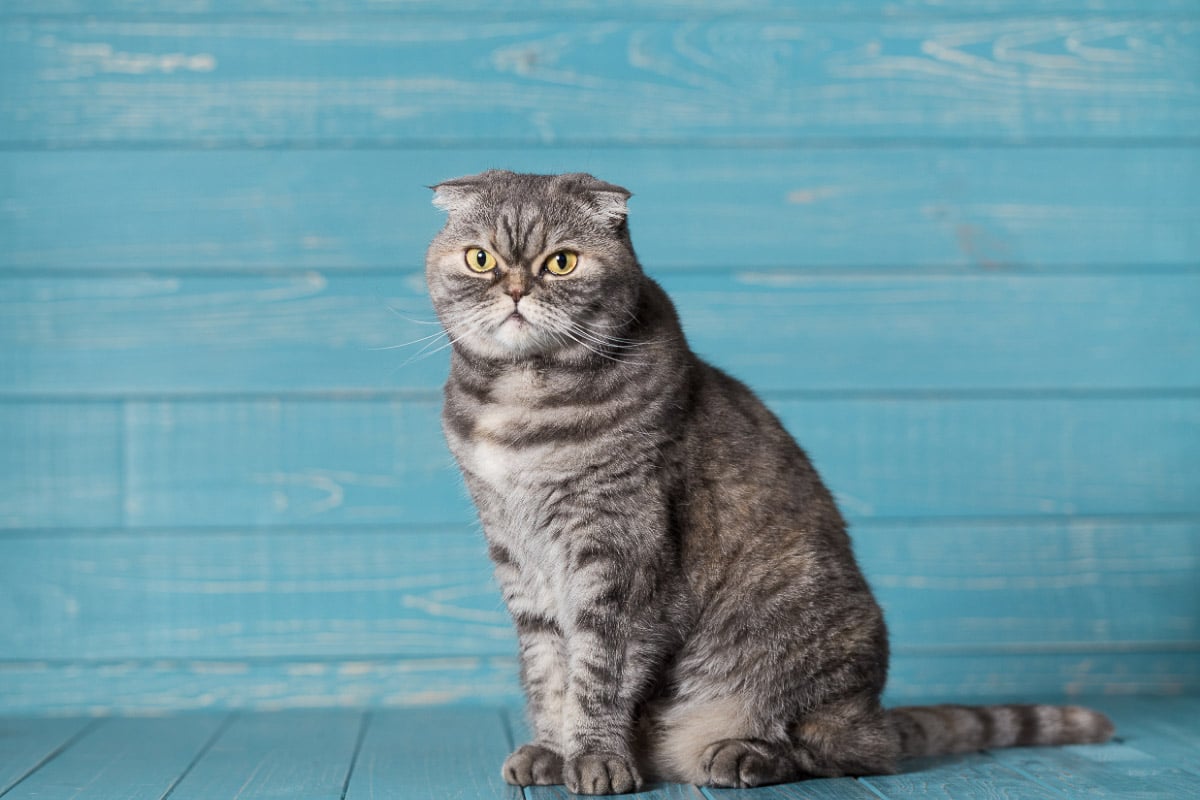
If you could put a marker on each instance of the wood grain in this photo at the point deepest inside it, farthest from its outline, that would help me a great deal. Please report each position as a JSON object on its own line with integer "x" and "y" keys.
{"x": 667, "y": 9}
{"x": 133, "y": 759}
{"x": 60, "y": 464}
{"x": 970, "y": 586}
{"x": 163, "y": 685}
{"x": 28, "y": 742}
{"x": 275, "y": 461}
{"x": 454, "y": 752}
{"x": 979, "y": 209}
{"x": 652, "y": 791}
{"x": 815, "y": 789}
{"x": 433, "y": 754}
{"x": 139, "y": 686}
{"x": 385, "y": 82}
{"x": 1075, "y": 775}
{"x": 777, "y": 330}
{"x": 287, "y": 754}
{"x": 325, "y": 462}
{"x": 953, "y": 777}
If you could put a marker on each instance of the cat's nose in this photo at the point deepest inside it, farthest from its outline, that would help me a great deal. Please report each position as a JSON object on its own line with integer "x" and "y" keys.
{"x": 516, "y": 293}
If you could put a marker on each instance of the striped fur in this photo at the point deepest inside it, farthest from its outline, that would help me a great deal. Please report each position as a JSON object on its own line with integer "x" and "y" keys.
{"x": 935, "y": 730}
{"x": 686, "y": 598}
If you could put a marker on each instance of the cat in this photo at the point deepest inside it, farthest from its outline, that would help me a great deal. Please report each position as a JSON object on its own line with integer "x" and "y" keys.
{"x": 687, "y": 604}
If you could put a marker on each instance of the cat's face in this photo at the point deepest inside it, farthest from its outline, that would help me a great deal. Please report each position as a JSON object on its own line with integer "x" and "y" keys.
{"x": 532, "y": 265}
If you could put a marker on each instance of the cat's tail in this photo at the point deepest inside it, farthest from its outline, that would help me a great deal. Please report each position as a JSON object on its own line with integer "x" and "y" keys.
{"x": 935, "y": 730}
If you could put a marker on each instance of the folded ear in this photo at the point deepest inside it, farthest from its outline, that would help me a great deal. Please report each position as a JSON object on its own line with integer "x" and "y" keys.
{"x": 457, "y": 193}
{"x": 609, "y": 200}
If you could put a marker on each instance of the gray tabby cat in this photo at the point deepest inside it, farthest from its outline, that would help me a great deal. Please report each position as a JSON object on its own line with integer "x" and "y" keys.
{"x": 685, "y": 596}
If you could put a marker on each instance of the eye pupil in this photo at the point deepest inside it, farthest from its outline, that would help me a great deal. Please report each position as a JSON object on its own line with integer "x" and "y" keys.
{"x": 561, "y": 260}
{"x": 481, "y": 258}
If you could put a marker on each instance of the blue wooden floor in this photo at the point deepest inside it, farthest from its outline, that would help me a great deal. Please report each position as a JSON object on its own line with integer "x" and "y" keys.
{"x": 456, "y": 752}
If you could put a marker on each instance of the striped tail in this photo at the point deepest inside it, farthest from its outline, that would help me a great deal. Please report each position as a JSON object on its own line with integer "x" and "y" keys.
{"x": 935, "y": 730}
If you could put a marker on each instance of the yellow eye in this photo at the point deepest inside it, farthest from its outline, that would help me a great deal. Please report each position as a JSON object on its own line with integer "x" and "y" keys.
{"x": 480, "y": 260}
{"x": 562, "y": 262}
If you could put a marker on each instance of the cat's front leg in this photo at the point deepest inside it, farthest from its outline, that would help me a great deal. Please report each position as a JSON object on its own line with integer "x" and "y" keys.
{"x": 543, "y": 673}
{"x": 610, "y": 656}
{"x": 544, "y": 676}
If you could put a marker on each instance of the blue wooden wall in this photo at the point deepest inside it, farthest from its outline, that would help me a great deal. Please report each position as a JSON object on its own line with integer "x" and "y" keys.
{"x": 955, "y": 246}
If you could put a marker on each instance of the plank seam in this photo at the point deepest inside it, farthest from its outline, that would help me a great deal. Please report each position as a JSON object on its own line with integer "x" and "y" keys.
{"x": 511, "y": 740}
{"x": 344, "y": 144}
{"x": 580, "y": 15}
{"x": 178, "y": 663}
{"x": 363, "y": 724}
{"x": 434, "y": 395}
{"x": 122, "y": 411}
{"x": 212, "y": 740}
{"x": 660, "y": 271}
{"x": 85, "y": 730}
{"x": 472, "y": 528}
{"x": 871, "y": 788}
{"x": 1027, "y": 775}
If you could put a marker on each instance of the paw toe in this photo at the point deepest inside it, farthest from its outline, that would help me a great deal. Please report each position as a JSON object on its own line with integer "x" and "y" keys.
{"x": 601, "y": 773}
{"x": 736, "y": 763}
{"x": 533, "y": 765}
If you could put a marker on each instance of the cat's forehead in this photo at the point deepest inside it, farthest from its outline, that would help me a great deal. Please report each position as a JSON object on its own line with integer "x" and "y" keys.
{"x": 521, "y": 200}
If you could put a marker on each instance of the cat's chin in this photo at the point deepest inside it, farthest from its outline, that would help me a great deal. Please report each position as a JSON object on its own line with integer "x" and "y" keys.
{"x": 514, "y": 339}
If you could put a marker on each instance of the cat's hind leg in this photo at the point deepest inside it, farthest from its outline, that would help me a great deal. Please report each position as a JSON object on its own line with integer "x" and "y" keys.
{"x": 718, "y": 742}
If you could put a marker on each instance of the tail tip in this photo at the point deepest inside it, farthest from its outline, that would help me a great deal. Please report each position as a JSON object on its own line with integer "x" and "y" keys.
{"x": 1094, "y": 727}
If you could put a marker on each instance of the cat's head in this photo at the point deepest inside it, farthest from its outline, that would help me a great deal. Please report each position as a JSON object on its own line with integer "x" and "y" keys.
{"x": 532, "y": 265}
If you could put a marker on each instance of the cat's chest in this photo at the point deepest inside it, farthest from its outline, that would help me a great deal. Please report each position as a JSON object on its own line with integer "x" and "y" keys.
{"x": 501, "y": 452}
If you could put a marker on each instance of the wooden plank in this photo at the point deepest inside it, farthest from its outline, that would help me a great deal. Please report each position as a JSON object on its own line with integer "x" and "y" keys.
{"x": 265, "y": 461}
{"x": 28, "y": 742}
{"x": 286, "y": 754}
{"x": 959, "y": 776}
{"x": 880, "y": 208}
{"x": 1123, "y": 586}
{"x": 982, "y": 457}
{"x": 816, "y": 789}
{"x": 1077, "y": 776}
{"x": 1000, "y": 676}
{"x": 60, "y": 464}
{"x": 652, "y": 791}
{"x": 140, "y": 686}
{"x": 390, "y": 82}
{"x": 1057, "y": 583}
{"x": 132, "y": 686}
{"x": 325, "y": 462}
{"x": 134, "y": 759}
{"x": 586, "y": 9}
{"x": 778, "y": 331}
{"x": 433, "y": 753}
{"x": 1165, "y": 727}
{"x": 247, "y": 594}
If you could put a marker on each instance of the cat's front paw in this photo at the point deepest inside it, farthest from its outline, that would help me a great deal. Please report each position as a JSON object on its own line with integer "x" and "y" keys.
{"x": 533, "y": 765}
{"x": 601, "y": 773}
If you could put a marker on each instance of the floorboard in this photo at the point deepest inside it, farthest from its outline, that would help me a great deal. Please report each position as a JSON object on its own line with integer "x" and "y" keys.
{"x": 291, "y": 754}
{"x": 135, "y": 758}
{"x": 455, "y": 752}
{"x": 436, "y": 753}
{"x": 25, "y": 743}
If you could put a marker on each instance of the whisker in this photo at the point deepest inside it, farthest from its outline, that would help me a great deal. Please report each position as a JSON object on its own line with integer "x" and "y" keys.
{"x": 407, "y": 318}
{"x": 584, "y": 344}
{"x": 409, "y": 344}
